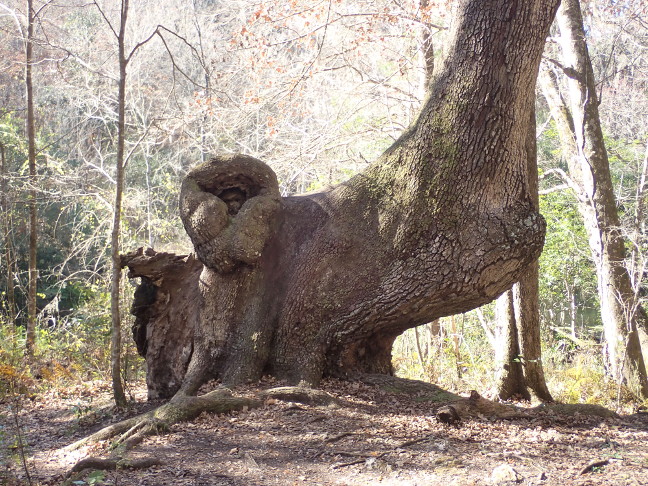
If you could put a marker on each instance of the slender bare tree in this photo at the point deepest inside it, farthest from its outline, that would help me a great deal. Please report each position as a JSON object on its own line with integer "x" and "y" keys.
{"x": 32, "y": 312}
{"x": 7, "y": 226}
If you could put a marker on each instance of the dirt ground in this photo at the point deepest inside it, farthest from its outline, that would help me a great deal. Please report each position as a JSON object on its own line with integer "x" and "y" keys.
{"x": 372, "y": 436}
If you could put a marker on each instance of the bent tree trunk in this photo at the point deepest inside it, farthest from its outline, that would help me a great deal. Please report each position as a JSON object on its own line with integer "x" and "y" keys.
{"x": 443, "y": 222}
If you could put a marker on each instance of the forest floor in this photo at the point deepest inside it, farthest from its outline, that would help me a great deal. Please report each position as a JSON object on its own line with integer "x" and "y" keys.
{"x": 371, "y": 436}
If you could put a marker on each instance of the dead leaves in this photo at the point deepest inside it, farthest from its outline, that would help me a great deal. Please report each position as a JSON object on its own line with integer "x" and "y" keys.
{"x": 372, "y": 436}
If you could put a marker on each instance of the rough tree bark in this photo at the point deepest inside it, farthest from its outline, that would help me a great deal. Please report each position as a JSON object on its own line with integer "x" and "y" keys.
{"x": 443, "y": 222}
{"x": 519, "y": 350}
{"x": 582, "y": 143}
{"x": 508, "y": 356}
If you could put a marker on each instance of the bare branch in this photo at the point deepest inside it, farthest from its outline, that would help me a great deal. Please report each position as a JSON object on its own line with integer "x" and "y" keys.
{"x": 568, "y": 182}
{"x": 139, "y": 141}
{"x": 553, "y": 189}
{"x": 568, "y": 71}
{"x": 140, "y": 44}
{"x": 106, "y": 19}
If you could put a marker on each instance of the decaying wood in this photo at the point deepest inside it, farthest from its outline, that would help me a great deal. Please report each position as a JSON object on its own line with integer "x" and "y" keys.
{"x": 448, "y": 415}
{"x": 165, "y": 307}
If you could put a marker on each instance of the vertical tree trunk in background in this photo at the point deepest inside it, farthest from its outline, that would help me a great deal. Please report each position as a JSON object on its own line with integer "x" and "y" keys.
{"x": 637, "y": 265}
{"x": 508, "y": 357}
{"x": 583, "y": 146}
{"x": 31, "y": 151}
{"x": 6, "y": 230}
{"x": 519, "y": 351}
{"x": 526, "y": 293}
{"x": 115, "y": 343}
{"x": 419, "y": 349}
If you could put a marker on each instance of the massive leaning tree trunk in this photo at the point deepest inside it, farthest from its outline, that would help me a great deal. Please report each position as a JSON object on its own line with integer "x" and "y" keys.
{"x": 323, "y": 283}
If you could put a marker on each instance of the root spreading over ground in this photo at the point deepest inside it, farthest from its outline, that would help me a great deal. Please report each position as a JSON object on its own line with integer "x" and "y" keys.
{"x": 381, "y": 430}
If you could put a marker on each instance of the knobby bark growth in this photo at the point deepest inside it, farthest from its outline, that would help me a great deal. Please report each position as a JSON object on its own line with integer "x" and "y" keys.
{"x": 323, "y": 283}
{"x": 583, "y": 145}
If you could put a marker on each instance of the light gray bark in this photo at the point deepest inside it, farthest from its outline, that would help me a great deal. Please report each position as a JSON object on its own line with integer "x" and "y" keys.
{"x": 584, "y": 148}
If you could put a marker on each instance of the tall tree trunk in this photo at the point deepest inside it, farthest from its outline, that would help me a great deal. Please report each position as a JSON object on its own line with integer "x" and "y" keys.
{"x": 443, "y": 222}
{"x": 526, "y": 293}
{"x": 582, "y": 141}
{"x": 115, "y": 343}
{"x": 519, "y": 352}
{"x": 508, "y": 357}
{"x": 32, "y": 313}
{"x": 637, "y": 265}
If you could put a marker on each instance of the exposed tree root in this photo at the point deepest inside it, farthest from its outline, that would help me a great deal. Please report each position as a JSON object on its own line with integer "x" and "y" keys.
{"x": 593, "y": 465}
{"x": 476, "y": 405}
{"x": 179, "y": 409}
{"x": 133, "y": 430}
{"x": 300, "y": 394}
{"x": 111, "y": 464}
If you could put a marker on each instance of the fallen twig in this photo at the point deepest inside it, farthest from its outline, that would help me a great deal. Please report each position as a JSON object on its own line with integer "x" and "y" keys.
{"x": 594, "y": 464}
{"x": 414, "y": 441}
{"x": 335, "y": 438}
{"x": 352, "y": 463}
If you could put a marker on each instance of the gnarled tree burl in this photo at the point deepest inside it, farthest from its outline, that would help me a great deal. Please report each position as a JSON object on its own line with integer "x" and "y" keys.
{"x": 322, "y": 283}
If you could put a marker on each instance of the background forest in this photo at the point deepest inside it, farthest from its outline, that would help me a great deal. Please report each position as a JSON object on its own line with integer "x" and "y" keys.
{"x": 317, "y": 89}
